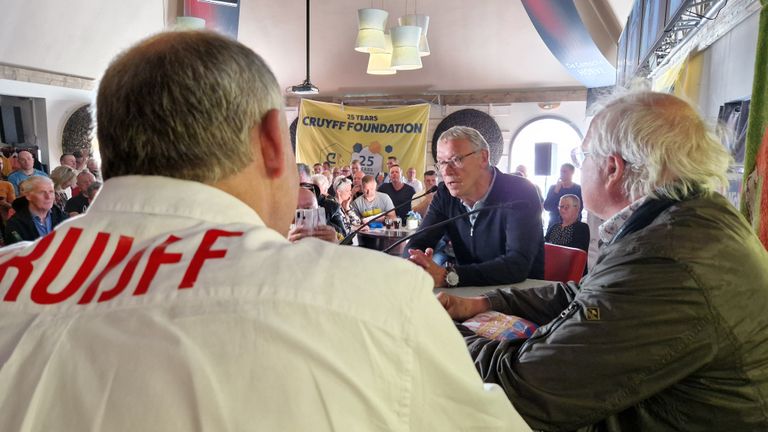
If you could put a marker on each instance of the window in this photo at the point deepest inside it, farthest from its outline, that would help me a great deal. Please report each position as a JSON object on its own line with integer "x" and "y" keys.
{"x": 563, "y": 135}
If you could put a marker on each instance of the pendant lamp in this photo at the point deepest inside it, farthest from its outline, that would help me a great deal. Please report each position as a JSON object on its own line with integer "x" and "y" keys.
{"x": 370, "y": 33}
{"x": 405, "y": 48}
{"x": 381, "y": 63}
{"x": 418, "y": 20}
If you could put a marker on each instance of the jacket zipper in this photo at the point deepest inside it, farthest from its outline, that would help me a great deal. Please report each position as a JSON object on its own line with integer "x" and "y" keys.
{"x": 565, "y": 314}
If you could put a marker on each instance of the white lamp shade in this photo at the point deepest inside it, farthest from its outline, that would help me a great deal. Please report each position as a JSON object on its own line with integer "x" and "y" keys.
{"x": 419, "y": 21}
{"x": 189, "y": 23}
{"x": 405, "y": 48}
{"x": 370, "y": 34}
{"x": 381, "y": 63}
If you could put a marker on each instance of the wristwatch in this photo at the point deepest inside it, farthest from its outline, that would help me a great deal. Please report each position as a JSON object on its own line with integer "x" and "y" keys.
{"x": 451, "y": 277}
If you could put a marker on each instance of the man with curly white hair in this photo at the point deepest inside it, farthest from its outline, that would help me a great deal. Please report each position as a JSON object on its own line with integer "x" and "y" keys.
{"x": 668, "y": 331}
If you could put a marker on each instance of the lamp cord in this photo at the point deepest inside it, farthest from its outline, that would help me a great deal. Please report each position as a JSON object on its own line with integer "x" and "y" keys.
{"x": 308, "y": 41}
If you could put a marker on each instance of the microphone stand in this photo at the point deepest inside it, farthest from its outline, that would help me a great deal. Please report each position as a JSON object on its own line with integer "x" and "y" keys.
{"x": 348, "y": 239}
{"x": 509, "y": 205}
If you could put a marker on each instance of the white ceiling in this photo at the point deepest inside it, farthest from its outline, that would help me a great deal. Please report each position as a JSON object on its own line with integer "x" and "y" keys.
{"x": 483, "y": 45}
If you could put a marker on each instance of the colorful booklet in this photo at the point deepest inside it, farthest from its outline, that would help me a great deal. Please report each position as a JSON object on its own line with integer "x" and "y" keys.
{"x": 496, "y": 325}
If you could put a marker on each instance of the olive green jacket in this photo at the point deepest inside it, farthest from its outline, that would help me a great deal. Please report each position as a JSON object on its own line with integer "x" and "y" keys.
{"x": 669, "y": 331}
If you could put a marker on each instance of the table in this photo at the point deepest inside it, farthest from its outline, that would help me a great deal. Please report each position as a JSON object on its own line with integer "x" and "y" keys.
{"x": 472, "y": 291}
{"x": 381, "y": 239}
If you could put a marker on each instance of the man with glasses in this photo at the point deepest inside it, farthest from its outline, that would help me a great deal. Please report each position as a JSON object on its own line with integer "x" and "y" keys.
{"x": 668, "y": 330}
{"x": 492, "y": 247}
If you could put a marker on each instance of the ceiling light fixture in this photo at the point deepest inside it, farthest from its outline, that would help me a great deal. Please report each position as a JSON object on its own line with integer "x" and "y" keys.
{"x": 380, "y": 63}
{"x": 400, "y": 49}
{"x": 370, "y": 32}
{"x": 305, "y": 88}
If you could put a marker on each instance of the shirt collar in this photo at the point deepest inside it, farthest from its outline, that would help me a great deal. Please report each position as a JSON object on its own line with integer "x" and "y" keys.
{"x": 611, "y": 226}
{"x": 169, "y": 196}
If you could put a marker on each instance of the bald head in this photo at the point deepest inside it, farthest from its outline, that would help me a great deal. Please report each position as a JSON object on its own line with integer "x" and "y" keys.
{"x": 307, "y": 199}
{"x": 84, "y": 179}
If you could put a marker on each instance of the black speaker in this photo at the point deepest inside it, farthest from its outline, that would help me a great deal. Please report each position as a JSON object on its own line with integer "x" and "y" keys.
{"x": 542, "y": 160}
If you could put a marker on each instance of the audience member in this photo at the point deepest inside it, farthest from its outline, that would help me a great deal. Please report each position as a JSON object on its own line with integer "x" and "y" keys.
{"x": 357, "y": 184}
{"x": 198, "y": 314}
{"x": 317, "y": 168}
{"x": 7, "y": 192}
{"x": 570, "y": 232}
{"x": 494, "y": 247}
{"x": 399, "y": 192}
{"x": 412, "y": 181}
{"x": 332, "y": 209}
{"x": 346, "y": 171}
{"x": 371, "y": 202}
{"x": 564, "y": 186}
{"x": 343, "y": 188}
{"x": 81, "y": 161}
{"x": 383, "y": 177}
{"x": 422, "y": 204}
{"x": 306, "y": 201}
{"x": 35, "y": 213}
{"x": 667, "y": 331}
{"x": 79, "y": 204}
{"x": 63, "y": 178}
{"x": 26, "y": 170}
{"x": 68, "y": 159}
{"x": 93, "y": 167}
{"x": 355, "y": 167}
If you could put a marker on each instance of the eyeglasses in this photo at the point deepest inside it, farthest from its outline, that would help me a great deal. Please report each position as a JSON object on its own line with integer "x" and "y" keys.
{"x": 578, "y": 156}
{"x": 456, "y": 161}
{"x": 565, "y": 207}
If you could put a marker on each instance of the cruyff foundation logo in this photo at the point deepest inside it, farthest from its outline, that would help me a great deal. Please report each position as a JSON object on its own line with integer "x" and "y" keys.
{"x": 371, "y": 158}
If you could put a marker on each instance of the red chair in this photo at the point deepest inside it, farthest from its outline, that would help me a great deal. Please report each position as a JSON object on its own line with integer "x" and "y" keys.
{"x": 562, "y": 263}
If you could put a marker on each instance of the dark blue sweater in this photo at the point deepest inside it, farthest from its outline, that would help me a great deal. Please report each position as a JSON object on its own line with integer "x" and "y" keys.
{"x": 506, "y": 245}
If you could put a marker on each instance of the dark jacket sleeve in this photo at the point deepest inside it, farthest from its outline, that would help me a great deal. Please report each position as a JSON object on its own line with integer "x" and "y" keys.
{"x": 16, "y": 230}
{"x": 581, "y": 236}
{"x": 333, "y": 215}
{"x": 435, "y": 214}
{"x": 632, "y": 335}
{"x": 552, "y": 201}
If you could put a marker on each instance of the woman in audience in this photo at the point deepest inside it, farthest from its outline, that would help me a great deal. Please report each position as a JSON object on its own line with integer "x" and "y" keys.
{"x": 343, "y": 188}
{"x": 63, "y": 177}
{"x": 570, "y": 232}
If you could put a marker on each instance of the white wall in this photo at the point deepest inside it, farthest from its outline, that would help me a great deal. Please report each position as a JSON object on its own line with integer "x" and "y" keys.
{"x": 74, "y": 37}
{"x": 60, "y": 103}
{"x": 729, "y": 67}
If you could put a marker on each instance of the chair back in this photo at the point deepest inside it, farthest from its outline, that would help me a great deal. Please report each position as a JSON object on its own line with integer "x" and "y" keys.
{"x": 562, "y": 263}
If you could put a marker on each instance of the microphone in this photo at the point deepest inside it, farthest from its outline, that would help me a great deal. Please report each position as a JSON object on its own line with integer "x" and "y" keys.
{"x": 348, "y": 239}
{"x": 508, "y": 205}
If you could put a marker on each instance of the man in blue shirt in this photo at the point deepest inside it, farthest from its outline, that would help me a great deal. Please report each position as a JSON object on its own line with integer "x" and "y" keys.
{"x": 35, "y": 214}
{"x": 493, "y": 247}
{"x": 26, "y": 170}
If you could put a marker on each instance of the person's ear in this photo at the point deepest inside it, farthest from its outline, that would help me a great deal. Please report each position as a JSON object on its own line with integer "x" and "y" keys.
{"x": 615, "y": 168}
{"x": 271, "y": 145}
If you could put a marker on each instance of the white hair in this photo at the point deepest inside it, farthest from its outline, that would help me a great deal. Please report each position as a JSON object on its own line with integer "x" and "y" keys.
{"x": 465, "y": 133}
{"x": 668, "y": 149}
{"x": 321, "y": 182}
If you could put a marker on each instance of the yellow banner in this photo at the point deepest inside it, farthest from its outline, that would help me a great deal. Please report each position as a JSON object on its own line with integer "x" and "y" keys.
{"x": 339, "y": 134}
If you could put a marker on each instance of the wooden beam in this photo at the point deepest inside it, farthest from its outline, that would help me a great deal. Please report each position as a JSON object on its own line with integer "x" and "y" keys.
{"x": 559, "y": 94}
{"x": 17, "y": 73}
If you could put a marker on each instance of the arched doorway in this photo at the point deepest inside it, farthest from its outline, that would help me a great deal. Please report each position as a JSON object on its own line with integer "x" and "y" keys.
{"x": 563, "y": 135}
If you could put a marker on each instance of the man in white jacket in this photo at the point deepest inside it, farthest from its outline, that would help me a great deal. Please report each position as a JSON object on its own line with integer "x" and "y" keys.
{"x": 176, "y": 302}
